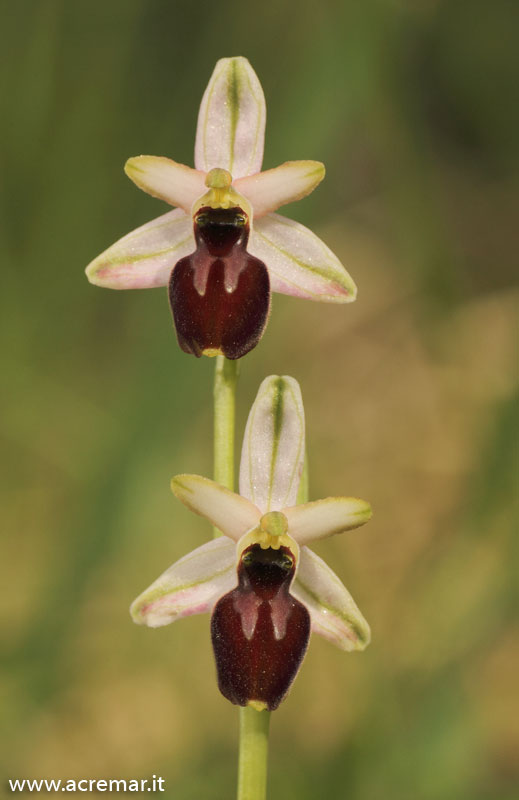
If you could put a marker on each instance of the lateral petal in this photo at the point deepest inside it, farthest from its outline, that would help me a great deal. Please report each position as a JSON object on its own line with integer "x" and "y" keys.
{"x": 144, "y": 258}
{"x": 274, "y": 445}
{"x": 299, "y": 263}
{"x": 228, "y": 511}
{"x": 276, "y": 187}
{"x": 161, "y": 177}
{"x": 322, "y": 518}
{"x": 333, "y": 611}
{"x": 231, "y": 122}
{"x": 191, "y": 586}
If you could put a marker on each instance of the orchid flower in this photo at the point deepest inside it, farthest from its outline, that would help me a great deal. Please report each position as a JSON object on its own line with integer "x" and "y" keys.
{"x": 222, "y": 250}
{"x": 265, "y": 588}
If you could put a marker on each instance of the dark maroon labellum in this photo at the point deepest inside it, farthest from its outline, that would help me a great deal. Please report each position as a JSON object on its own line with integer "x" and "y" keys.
{"x": 220, "y": 294}
{"x": 259, "y": 631}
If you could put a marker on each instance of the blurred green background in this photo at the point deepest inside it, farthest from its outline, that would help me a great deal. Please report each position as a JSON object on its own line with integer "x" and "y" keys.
{"x": 409, "y": 393}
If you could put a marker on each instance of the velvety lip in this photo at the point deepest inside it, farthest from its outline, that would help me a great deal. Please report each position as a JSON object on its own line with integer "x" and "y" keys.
{"x": 259, "y": 630}
{"x": 220, "y": 294}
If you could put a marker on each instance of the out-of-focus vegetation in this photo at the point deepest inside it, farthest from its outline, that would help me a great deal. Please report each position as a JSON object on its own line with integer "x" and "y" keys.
{"x": 409, "y": 393}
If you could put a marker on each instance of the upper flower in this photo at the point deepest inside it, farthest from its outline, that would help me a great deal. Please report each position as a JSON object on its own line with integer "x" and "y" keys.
{"x": 222, "y": 250}
{"x": 264, "y": 586}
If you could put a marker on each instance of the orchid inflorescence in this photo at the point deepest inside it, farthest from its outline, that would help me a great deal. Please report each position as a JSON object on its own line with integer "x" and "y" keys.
{"x": 221, "y": 252}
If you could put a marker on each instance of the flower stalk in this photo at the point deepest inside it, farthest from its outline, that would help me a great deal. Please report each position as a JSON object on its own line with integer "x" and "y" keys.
{"x": 252, "y": 764}
{"x": 225, "y": 380}
{"x": 254, "y": 725}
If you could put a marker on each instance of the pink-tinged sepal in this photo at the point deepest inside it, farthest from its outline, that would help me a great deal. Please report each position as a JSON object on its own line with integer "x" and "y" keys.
{"x": 300, "y": 264}
{"x": 333, "y": 612}
{"x": 231, "y": 122}
{"x": 274, "y": 445}
{"x": 190, "y": 586}
{"x": 144, "y": 258}
{"x": 259, "y": 630}
{"x": 220, "y": 294}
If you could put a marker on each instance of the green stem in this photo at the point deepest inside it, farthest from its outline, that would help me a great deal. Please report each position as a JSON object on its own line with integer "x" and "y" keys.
{"x": 225, "y": 380}
{"x": 254, "y": 725}
{"x": 252, "y": 764}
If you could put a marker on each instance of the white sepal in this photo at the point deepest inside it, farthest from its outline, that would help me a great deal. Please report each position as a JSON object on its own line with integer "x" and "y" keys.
{"x": 191, "y": 586}
{"x": 144, "y": 258}
{"x": 231, "y": 122}
{"x": 274, "y": 445}
{"x": 299, "y": 263}
{"x": 333, "y": 611}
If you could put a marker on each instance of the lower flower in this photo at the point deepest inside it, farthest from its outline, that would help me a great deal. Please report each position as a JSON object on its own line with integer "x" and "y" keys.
{"x": 259, "y": 631}
{"x": 265, "y": 588}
